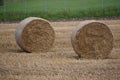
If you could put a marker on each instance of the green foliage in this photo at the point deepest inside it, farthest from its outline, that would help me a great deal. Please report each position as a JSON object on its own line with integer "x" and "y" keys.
{"x": 59, "y": 9}
{"x": 1, "y": 2}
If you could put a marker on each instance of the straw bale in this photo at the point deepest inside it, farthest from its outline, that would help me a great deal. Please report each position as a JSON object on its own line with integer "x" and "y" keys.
{"x": 35, "y": 35}
{"x": 92, "y": 39}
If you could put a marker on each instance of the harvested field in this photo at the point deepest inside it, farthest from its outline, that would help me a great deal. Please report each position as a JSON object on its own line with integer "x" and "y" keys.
{"x": 61, "y": 62}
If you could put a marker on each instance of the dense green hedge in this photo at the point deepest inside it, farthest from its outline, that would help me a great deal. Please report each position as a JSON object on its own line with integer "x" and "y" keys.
{"x": 89, "y": 13}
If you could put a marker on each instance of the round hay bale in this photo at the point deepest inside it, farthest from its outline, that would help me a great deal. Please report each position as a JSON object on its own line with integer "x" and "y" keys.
{"x": 35, "y": 35}
{"x": 92, "y": 39}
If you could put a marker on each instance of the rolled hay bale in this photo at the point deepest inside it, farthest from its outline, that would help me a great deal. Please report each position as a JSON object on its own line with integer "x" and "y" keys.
{"x": 92, "y": 40}
{"x": 35, "y": 35}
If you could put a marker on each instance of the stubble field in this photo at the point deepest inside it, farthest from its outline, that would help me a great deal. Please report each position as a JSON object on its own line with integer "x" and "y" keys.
{"x": 61, "y": 62}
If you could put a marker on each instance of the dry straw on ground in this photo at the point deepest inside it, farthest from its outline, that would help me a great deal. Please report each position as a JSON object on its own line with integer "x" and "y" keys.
{"x": 35, "y": 35}
{"x": 92, "y": 39}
